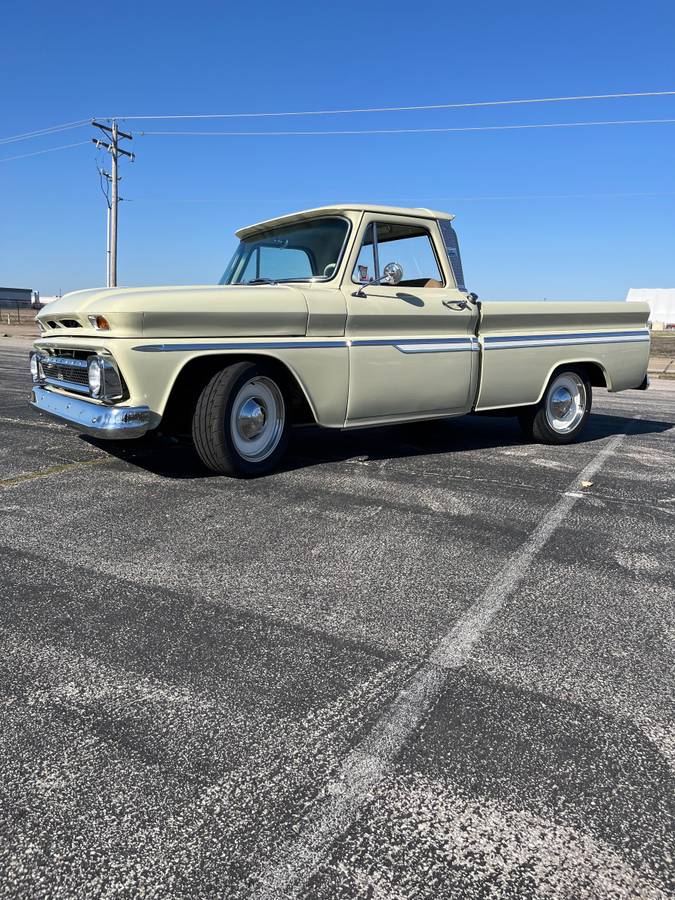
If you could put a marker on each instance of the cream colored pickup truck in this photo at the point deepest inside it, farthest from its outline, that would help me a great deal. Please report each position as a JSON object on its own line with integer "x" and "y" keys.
{"x": 344, "y": 316}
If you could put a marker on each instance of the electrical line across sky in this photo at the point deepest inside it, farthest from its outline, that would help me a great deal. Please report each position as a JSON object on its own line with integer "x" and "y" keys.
{"x": 425, "y": 107}
{"x": 373, "y": 131}
{"x": 40, "y": 152}
{"x": 42, "y": 132}
{"x": 364, "y": 131}
{"x": 429, "y": 107}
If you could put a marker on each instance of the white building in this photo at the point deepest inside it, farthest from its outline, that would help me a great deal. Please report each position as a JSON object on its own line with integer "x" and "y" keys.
{"x": 661, "y": 304}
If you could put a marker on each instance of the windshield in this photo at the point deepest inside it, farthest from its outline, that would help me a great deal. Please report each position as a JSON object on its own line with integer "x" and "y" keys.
{"x": 304, "y": 251}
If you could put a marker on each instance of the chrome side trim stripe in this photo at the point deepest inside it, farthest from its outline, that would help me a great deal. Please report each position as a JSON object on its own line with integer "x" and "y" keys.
{"x": 413, "y": 345}
{"x": 643, "y": 332}
{"x": 405, "y": 345}
{"x": 421, "y": 345}
{"x": 562, "y": 340}
{"x": 440, "y": 347}
{"x": 385, "y": 342}
{"x": 243, "y": 345}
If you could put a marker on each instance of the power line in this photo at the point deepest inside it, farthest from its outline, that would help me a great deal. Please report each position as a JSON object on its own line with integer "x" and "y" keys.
{"x": 54, "y": 129}
{"x": 39, "y": 152}
{"x": 405, "y": 130}
{"x": 430, "y": 106}
{"x": 582, "y": 196}
{"x": 65, "y": 126}
{"x": 410, "y": 201}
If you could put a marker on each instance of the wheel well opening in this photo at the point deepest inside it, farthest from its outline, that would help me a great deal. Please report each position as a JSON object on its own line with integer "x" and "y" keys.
{"x": 195, "y": 374}
{"x": 593, "y": 371}
{"x": 596, "y": 375}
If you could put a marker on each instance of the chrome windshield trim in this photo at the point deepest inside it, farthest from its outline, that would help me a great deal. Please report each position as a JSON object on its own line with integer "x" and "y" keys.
{"x": 319, "y": 279}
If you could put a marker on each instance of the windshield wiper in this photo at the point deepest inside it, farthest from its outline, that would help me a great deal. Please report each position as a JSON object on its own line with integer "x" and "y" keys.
{"x": 262, "y": 281}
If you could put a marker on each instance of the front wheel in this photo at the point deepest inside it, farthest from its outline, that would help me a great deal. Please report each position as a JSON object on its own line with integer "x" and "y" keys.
{"x": 562, "y": 413}
{"x": 240, "y": 425}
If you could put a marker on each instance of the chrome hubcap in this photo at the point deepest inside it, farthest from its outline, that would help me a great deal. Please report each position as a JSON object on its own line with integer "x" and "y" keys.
{"x": 257, "y": 419}
{"x": 251, "y": 419}
{"x": 566, "y": 403}
{"x": 561, "y": 401}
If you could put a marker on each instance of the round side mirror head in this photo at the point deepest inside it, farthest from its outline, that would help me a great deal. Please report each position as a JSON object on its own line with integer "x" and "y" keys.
{"x": 393, "y": 273}
{"x": 472, "y": 298}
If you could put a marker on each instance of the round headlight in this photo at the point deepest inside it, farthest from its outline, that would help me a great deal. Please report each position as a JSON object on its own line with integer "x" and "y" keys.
{"x": 95, "y": 379}
{"x": 34, "y": 367}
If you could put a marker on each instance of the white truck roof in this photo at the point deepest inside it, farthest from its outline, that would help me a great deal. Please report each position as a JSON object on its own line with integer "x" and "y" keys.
{"x": 417, "y": 212}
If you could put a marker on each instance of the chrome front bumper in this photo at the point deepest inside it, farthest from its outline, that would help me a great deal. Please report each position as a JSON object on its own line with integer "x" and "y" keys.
{"x": 111, "y": 422}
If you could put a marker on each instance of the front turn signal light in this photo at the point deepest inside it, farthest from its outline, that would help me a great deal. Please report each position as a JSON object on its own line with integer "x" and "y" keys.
{"x": 100, "y": 323}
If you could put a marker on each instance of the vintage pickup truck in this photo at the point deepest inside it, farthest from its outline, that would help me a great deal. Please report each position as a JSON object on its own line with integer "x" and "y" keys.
{"x": 344, "y": 316}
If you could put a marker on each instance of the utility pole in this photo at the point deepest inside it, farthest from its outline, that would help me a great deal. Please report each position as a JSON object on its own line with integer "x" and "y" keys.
{"x": 113, "y": 132}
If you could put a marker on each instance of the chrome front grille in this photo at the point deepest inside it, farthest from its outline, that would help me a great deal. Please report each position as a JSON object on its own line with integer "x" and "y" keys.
{"x": 66, "y": 372}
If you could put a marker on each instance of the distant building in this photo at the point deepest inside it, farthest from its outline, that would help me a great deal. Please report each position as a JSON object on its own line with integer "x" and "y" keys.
{"x": 15, "y": 300}
{"x": 10, "y": 298}
{"x": 661, "y": 305}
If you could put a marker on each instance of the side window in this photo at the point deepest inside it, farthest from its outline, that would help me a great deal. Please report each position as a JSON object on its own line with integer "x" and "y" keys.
{"x": 408, "y": 245}
{"x": 415, "y": 253}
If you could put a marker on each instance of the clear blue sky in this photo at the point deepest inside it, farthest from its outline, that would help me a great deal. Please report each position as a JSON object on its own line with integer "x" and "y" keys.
{"x": 67, "y": 61}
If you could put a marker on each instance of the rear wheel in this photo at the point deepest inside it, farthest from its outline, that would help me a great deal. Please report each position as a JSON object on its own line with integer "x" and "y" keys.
{"x": 240, "y": 424}
{"x": 562, "y": 413}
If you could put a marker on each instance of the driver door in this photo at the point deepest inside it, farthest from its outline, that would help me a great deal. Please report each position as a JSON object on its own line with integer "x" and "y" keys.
{"x": 412, "y": 351}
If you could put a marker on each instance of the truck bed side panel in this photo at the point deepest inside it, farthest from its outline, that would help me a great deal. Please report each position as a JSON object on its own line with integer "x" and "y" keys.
{"x": 523, "y": 342}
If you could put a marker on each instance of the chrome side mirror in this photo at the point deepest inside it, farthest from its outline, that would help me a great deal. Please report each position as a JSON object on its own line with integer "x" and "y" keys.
{"x": 392, "y": 273}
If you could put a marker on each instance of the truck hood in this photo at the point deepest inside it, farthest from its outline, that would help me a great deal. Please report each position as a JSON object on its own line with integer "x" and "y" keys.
{"x": 194, "y": 311}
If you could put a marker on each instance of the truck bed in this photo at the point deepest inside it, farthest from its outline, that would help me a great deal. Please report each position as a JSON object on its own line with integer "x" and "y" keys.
{"x": 523, "y": 342}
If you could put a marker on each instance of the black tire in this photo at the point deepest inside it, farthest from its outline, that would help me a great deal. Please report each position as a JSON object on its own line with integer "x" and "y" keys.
{"x": 538, "y": 422}
{"x": 220, "y": 448}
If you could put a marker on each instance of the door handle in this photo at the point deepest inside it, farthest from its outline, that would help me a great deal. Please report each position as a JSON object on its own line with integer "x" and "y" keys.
{"x": 455, "y": 304}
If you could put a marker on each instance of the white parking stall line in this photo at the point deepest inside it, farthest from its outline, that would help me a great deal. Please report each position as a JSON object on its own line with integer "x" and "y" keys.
{"x": 367, "y": 764}
{"x": 33, "y": 423}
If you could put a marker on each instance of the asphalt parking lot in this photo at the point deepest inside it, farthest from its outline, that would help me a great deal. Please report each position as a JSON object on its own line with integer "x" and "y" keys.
{"x": 429, "y": 661}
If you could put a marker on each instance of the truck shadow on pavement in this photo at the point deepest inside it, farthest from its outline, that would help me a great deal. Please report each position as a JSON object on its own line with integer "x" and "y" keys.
{"x": 313, "y": 446}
